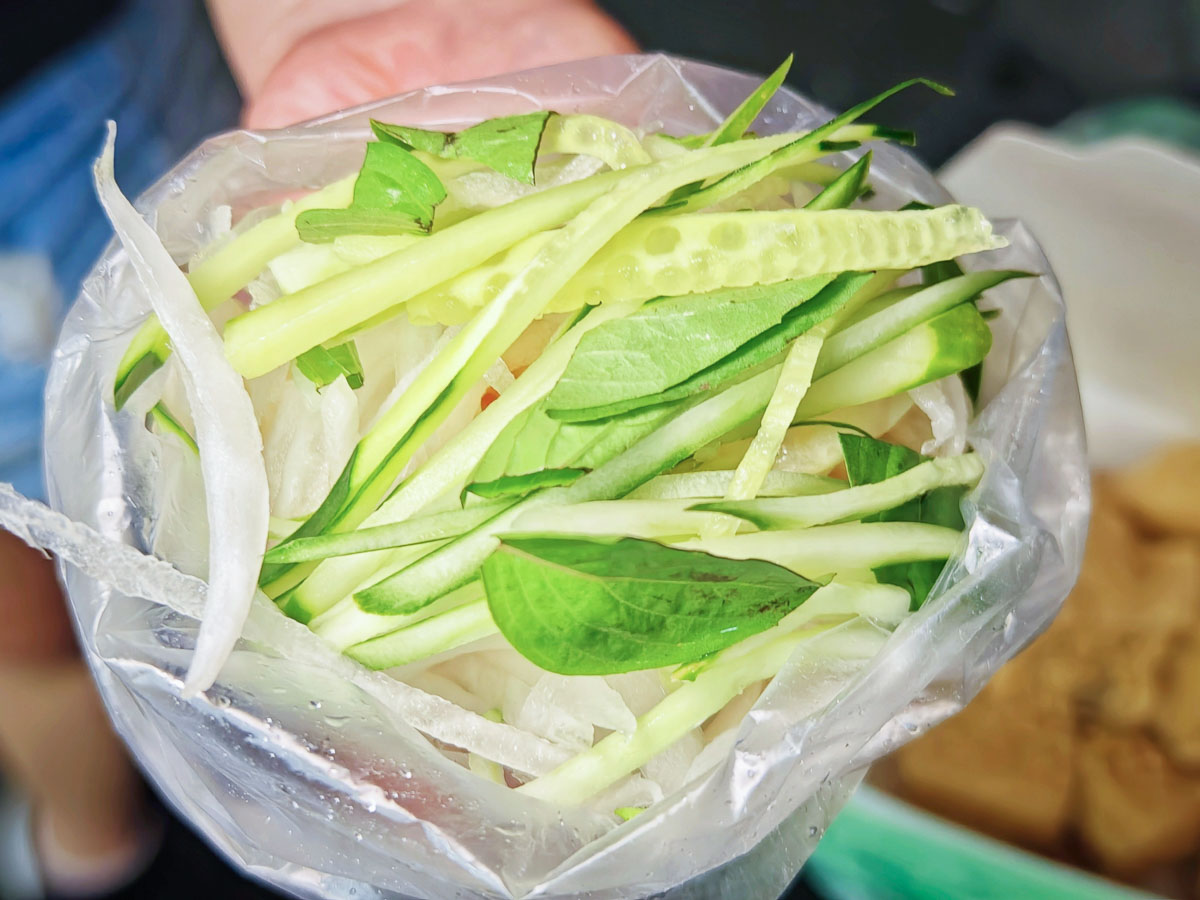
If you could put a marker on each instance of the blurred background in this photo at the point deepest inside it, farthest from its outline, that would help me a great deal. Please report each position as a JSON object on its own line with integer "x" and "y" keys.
{"x": 1080, "y": 116}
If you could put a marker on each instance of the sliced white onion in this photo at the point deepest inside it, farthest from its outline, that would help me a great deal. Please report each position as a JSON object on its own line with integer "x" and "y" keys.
{"x": 311, "y": 436}
{"x": 945, "y": 402}
{"x": 235, "y": 478}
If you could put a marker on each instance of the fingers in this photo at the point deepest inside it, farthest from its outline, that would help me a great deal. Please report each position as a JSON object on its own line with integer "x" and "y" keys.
{"x": 419, "y": 44}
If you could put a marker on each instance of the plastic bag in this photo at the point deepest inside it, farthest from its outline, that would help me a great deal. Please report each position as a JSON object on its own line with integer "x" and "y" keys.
{"x": 318, "y": 786}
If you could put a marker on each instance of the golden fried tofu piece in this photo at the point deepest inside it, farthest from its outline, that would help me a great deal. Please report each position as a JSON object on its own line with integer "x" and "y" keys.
{"x": 1135, "y": 809}
{"x": 1177, "y": 717}
{"x": 1163, "y": 492}
{"x": 998, "y": 766}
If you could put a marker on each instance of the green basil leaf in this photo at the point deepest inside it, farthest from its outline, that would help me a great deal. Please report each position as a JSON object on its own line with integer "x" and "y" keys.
{"x": 395, "y": 193}
{"x": 509, "y": 144}
{"x": 869, "y": 461}
{"x": 323, "y": 366}
{"x": 599, "y": 606}
{"x": 669, "y": 340}
{"x": 758, "y": 350}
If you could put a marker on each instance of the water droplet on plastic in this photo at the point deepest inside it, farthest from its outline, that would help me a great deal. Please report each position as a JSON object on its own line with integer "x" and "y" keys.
{"x": 812, "y": 830}
{"x": 315, "y": 704}
{"x": 358, "y": 836}
{"x": 222, "y": 701}
{"x": 336, "y": 721}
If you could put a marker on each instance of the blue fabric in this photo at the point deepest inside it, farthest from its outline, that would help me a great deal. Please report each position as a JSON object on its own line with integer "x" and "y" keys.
{"x": 157, "y": 70}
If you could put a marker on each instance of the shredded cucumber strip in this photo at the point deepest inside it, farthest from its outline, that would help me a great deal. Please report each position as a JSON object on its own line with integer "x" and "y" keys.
{"x": 715, "y": 483}
{"x": 617, "y": 754}
{"x": 856, "y": 502}
{"x": 384, "y": 537}
{"x": 429, "y": 637}
{"x": 828, "y": 549}
{"x": 218, "y": 277}
{"x": 632, "y": 518}
{"x": 346, "y": 625}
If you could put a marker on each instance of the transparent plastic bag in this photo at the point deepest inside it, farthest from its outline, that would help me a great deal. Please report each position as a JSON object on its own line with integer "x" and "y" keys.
{"x": 318, "y": 786}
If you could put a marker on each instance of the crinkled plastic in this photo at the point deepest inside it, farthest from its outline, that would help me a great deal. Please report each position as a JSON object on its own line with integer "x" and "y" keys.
{"x": 320, "y": 787}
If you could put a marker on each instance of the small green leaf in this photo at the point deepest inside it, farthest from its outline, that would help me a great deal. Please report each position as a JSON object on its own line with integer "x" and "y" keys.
{"x": 395, "y": 193}
{"x": 624, "y": 359}
{"x": 509, "y": 144}
{"x": 599, "y": 606}
{"x": 323, "y": 366}
{"x": 519, "y": 485}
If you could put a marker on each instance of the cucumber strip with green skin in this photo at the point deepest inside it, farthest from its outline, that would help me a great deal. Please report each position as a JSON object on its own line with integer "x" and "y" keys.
{"x": 449, "y": 468}
{"x": 946, "y": 344}
{"x": 260, "y": 340}
{"x": 880, "y": 303}
{"x": 346, "y": 625}
{"x": 618, "y": 754}
{"x": 706, "y": 251}
{"x": 827, "y": 549}
{"x": 383, "y": 452}
{"x": 426, "y": 638}
{"x": 608, "y": 141}
{"x": 918, "y": 306}
{"x": 713, "y": 484}
{"x": 739, "y": 121}
{"x": 854, "y": 502}
{"x": 384, "y": 537}
{"x": 457, "y": 562}
{"x": 657, "y": 519}
{"x": 845, "y": 189}
{"x": 884, "y": 604}
{"x": 802, "y": 149}
{"x": 160, "y": 420}
{"x": 220, "y": 276}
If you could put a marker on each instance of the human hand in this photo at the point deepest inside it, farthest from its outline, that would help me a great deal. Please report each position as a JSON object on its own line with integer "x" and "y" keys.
{"x": 296, "y": 59}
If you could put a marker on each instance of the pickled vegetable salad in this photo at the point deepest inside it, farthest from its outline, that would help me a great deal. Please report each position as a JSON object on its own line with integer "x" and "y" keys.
{"x": 585, "y": 430}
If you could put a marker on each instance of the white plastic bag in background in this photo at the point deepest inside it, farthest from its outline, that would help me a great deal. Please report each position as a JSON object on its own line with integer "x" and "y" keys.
{"x": 318, "y": 786}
